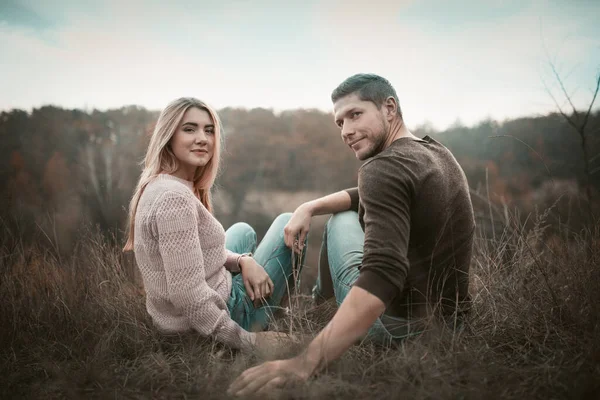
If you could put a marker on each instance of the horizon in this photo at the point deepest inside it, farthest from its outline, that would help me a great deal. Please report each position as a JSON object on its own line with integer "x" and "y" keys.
{"x": 448, "y": 63}
{"x": 426, "y": 126}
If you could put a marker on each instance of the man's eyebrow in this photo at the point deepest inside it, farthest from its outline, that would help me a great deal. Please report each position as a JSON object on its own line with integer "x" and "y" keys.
{"x": 344, "y": 113}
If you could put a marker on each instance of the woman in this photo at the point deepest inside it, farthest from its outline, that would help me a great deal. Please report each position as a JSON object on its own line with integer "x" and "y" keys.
{"x": 186, "y": 259}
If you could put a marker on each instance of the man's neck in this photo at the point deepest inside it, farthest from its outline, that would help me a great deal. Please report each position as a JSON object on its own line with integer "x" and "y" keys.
{"x": 398, "y": 130}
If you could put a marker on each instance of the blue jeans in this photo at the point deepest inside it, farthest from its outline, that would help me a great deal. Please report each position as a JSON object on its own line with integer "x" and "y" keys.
{"x": 275, "y": 257}
{"x": 341, "y": 255}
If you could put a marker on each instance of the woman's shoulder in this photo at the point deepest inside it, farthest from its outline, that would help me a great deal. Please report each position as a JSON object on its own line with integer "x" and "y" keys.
{"x": 165, "y": 183}
{"x": 159, "y": 192}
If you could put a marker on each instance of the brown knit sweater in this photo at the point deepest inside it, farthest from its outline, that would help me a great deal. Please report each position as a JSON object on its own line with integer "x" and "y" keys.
{"x": 414, "y": 207}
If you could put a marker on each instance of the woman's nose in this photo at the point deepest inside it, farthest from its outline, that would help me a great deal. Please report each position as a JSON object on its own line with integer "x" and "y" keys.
{"x": 201, "y": 136}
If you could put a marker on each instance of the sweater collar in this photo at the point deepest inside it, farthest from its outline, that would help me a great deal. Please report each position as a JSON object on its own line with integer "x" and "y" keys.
{"x": 187, "y": 183}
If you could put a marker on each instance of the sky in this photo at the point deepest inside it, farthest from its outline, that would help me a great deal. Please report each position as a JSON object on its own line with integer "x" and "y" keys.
{"x": 449, "y": 61}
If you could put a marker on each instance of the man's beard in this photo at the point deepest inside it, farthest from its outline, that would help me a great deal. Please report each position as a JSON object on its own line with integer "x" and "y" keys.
{"x": 378, "y": 141}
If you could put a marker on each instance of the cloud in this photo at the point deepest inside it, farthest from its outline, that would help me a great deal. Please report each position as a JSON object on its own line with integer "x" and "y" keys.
{"x": 17, "y": 14}
{"x": 487, "y": 67}
{"x": 268, "y": 54}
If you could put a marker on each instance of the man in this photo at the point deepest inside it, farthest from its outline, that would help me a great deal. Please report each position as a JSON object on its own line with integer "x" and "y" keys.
{"x": 397, "y": 250}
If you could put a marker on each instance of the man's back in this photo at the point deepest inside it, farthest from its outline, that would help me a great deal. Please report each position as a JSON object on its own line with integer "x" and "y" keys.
{"x": 417, "y": 214}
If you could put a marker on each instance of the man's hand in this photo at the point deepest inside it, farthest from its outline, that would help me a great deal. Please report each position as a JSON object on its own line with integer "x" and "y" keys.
{"x": 269, "y": 376}
{"x": 359, "y": 310}
{"x": 256, "y": 280}
{"x": 297, "y": 228}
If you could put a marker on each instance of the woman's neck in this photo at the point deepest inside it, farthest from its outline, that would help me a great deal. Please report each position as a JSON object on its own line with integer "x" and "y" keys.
{"x": 187, "y": 174}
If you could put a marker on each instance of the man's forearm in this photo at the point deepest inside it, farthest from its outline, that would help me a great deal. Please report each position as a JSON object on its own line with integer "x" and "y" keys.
{"x": 356, "y": 315}
{"x": 330, "y": 204}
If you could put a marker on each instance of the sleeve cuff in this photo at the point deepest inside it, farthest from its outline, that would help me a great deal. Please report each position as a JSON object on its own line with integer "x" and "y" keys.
{"x": 354, "y": 198}
{"x": 248, "y": 340}
{"x": 231, "y": 262}
{"x": 378, "y": 286}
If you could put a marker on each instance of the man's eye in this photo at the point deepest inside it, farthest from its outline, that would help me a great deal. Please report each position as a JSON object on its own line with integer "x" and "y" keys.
{"x": 356, "y": 114}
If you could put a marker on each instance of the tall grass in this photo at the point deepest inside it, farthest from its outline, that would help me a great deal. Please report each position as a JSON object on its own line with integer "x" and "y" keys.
{"x": 76, "y": 327}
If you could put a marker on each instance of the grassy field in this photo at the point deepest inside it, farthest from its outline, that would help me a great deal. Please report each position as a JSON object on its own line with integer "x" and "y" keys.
{"x": 76, "y": 327}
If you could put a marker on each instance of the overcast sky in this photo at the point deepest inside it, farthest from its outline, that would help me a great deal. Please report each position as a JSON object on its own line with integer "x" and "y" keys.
{"x": 448, "y": 60}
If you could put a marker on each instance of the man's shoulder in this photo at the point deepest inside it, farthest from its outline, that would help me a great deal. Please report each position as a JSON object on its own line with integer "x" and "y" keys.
{"x": 404, "y": 151}
{"x": 385, "y": 175}
{"x": 398, "y": 160}
{"x": 406, "y": 162}
{"x": 384, "y": 161}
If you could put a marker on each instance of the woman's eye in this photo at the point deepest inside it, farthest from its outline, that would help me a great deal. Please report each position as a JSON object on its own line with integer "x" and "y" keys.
{"x": 210, "y": 131}
{"x": 188, "y": 129}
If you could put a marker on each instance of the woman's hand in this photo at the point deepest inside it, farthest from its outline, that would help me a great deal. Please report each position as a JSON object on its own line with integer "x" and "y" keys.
{"x": 256, "y": 280}
{"x": 296, "y": 230}
{"x": 270, "y": 340}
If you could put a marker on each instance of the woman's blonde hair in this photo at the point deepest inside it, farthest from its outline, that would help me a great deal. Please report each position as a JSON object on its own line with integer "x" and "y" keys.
{"x": 160, "y": 158}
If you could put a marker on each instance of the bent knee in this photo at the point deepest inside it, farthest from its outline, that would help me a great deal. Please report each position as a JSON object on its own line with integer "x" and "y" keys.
{"x": 342, "y": 218}
{"x": 282, "y": 219}
{"x": 242, "y": 228}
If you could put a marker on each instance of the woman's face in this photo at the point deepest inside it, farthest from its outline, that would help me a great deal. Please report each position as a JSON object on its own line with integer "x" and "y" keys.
{"x": 193, "y": 142}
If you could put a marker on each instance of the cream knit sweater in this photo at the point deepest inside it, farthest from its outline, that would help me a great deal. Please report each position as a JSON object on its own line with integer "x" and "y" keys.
{"x": 180, "y": 250}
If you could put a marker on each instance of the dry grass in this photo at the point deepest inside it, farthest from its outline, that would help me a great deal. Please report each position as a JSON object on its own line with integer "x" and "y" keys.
{"x": 77, "y": 328}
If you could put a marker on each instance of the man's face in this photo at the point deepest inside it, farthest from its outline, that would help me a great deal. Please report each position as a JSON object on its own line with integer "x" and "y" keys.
{"x": 363, "y": 126}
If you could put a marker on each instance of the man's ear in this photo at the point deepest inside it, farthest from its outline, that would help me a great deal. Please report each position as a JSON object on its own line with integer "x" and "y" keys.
{"x": 391, "y": 107}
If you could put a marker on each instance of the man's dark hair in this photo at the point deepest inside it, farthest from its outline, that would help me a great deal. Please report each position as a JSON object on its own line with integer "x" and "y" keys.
{"x": 368, "y": 87}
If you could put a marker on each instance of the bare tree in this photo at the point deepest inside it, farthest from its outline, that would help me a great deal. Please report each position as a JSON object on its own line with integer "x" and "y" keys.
{"x": 103, "y": 166}
{"x": 579, "y": 122}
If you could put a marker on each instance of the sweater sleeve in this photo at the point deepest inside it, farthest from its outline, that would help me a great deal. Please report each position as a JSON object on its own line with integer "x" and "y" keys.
{"x": 387, "y": 227}
{"x": 354, "y": 198}
{"x": 179, "y": 245}
{"x": 231, "y": 262}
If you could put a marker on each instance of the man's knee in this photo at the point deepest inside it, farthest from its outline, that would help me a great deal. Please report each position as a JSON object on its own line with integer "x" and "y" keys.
{"x": 341, "y": 220}
{"x": 343, "y": 241}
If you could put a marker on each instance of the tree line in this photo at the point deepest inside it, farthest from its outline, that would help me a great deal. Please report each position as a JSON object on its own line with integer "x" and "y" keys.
{"x": 64, "y": 169}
